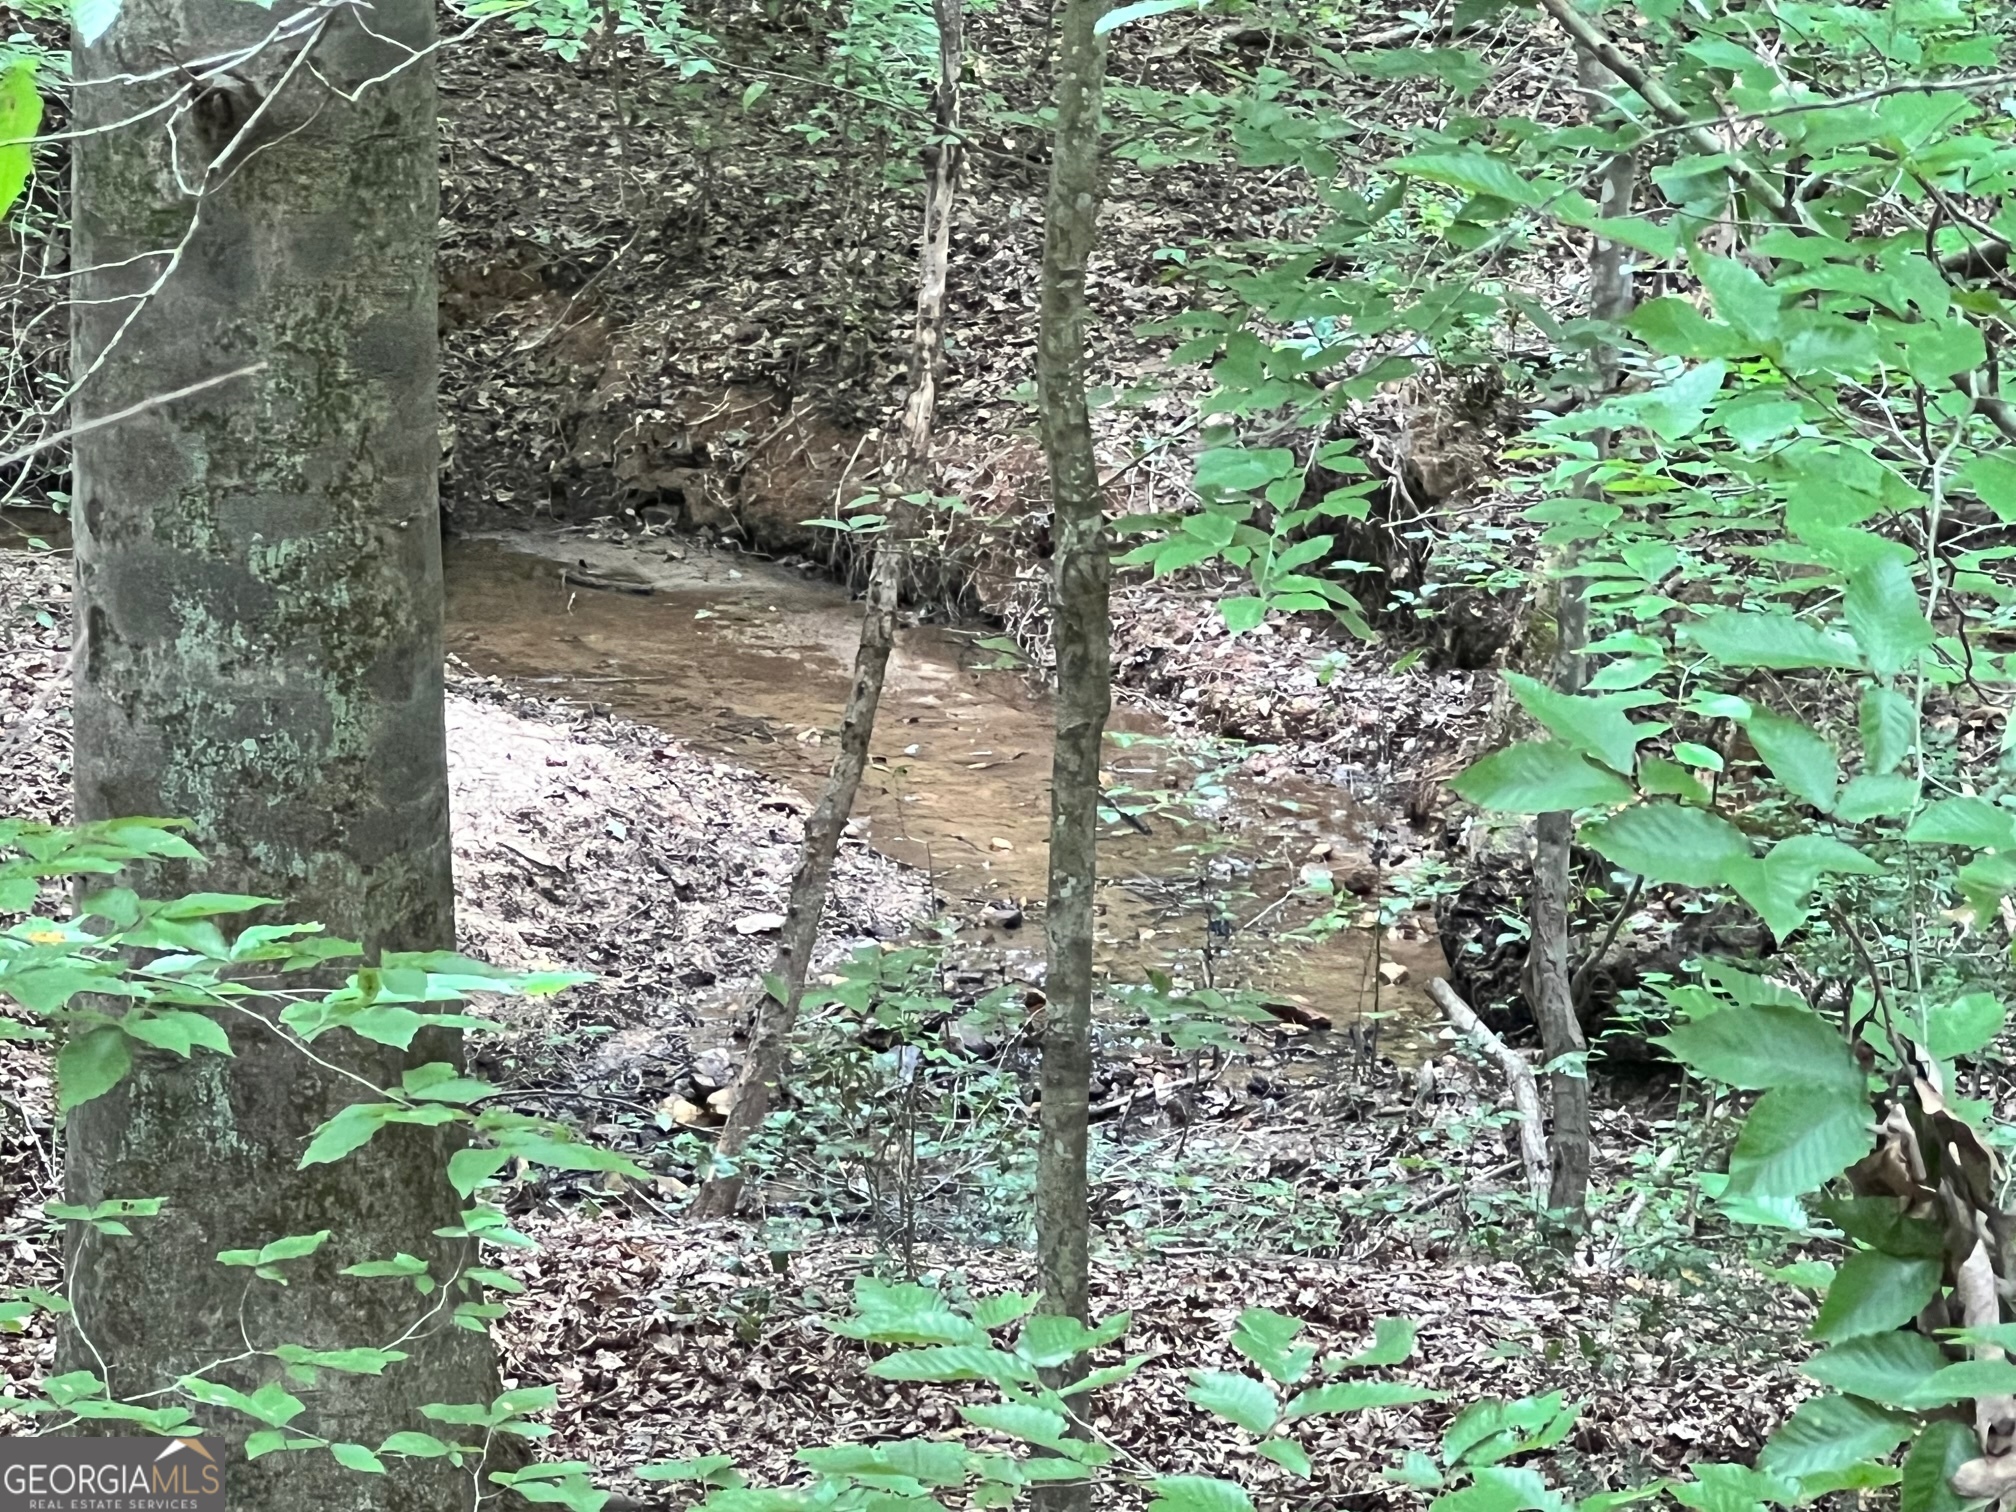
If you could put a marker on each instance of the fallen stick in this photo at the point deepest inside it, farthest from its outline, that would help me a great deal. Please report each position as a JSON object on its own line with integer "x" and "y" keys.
{"x": 1295, "y": 1013}
{"x": 1124, "y": 1101}
{"x": 1518, "y": 1075}
{"x": 578, "y": 578}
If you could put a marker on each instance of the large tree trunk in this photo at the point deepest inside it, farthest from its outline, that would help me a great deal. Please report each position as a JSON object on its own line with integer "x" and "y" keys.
{"x": 1550, "y": 972}
{"x": 258, "y": 650}
{"x": 762, "y": 1070}
{"x": 1083, "y": 636}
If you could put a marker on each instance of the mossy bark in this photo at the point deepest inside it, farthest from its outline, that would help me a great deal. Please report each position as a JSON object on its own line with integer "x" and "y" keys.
{"x": 258, "y": 650}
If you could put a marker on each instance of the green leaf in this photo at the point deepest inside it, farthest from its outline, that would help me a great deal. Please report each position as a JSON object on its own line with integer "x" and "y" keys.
{"x": 1881, "y": 1223}
{"x": 1872, "y": 797}
{"x": 357, "y": 1457}
{"x": 1659, "y": 777}
{"x": 1267, "y": 1338}
{"x": 1830, "y": 1433}
{"x": 1289, "y": 1455}
{"x": 1498, "y": 1488}
{"x": 1488, "y": 1431}
{"x": 1198, "y": 1493}
{"x": 1766, "y": 1046}
{"x": 1242, "y": 614}
{"x": 1797, "y": 1139}
{"x": 349, "y": 1130}
{"x": 400, "y": 1265}
{"x": 1228, "y": 471}
{"x": 1049, "y": 1339}
{"x": 1935, "y": 353}
{"x": 360, "y": 1360}
{"x": 470, "y": 1167}
{"x": 1992, "y": 476}
{"x": 1964, "y": 1025}
{"x": 1236, "y": 1398}
{"x": 1739, "y": 639}
{"x": 1106, "y": 1375}
{"x": 1020, "y": 1420}
{"x": 1943, "y": 1446}
{"x": 1967, "y": 1379}
{"x": 1807, "y": 1275}
{"x": 1875, "y": 1292}
{"x": 1798, "y": 757}
{"x": 705, "y": 1468}
{"x": 208, "y": 905}
{"x": 1890, "y": 1367}
{"x": 1140, "y": 10}
{"x": 1741, "y": 298}
{"x": 1672, "y": 412}
{"x": 90, "y": 1065}
{"x": 91, "y": 19}
{"x": 1671, "y": 325}
{"x": 178, "y": 1030}
{"x": 1392, "y": 1342}
{"x": 46, "y": 989}
{"x": 1472, "y": 172}
{"x": 1417, "y": 1470}
{"x": 270, "y": 1404}
{"x": 1733, "y": 1488}
{"x": 1863, "y": 1475}
{"x": 1698, "y": 755}
{"x": 414, "y": 1446}
{"x": 1889, "y": 727}
{"x": 1594, "y": 726}
{"x": 1667, "y": 842}
{"x": 999, "y": 1311}
{"x": 1659, "y": 240}
{"x": 1884, "y": 616}
{"x": 1539, "y": 778}
{"x": 557, "y": 1154}
{"x": 20, "y": 119}
{"x": 1356, "y": 1396}
{"x": 1965, "y": 821}
{"x": 953, "y": 1362}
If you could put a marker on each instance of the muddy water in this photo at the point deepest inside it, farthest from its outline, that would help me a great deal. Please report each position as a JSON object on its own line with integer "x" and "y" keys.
{"x": 752, "y": 662}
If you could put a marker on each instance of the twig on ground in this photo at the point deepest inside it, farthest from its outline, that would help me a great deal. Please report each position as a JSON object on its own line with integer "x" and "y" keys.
{"x": 1519, "y": 1075}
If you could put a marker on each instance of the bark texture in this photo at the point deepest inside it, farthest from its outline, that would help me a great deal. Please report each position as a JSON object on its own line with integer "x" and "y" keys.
{"x": 1519, "y": 1082}
{"x": 762, "y": 1070}
{"x": 1083, "y": 636}
{"x": 1550, "y": 985}
{"x": 258, "y": 650}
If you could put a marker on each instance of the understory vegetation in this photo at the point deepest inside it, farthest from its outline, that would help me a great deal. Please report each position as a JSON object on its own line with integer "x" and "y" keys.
{"x": 1400, "y": 894}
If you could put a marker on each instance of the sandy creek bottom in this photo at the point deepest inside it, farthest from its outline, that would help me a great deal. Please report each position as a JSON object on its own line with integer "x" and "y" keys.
{"x": 751, "y": 662}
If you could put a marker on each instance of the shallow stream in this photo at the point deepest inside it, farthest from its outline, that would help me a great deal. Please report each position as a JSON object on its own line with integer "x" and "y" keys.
{"x": 752, "y": 661}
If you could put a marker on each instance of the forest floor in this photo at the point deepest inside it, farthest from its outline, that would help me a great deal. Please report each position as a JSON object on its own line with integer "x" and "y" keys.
{"x": 1336, "y": 1188}
{"x": 650, "y": 320}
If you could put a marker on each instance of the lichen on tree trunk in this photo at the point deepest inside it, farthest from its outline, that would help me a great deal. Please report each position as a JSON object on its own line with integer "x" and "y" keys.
{"x": 1083, "y": 638}
{"x": 258, "y": 650}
